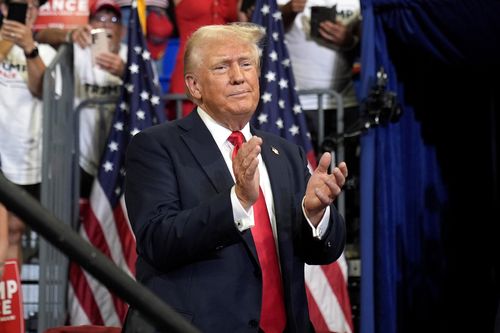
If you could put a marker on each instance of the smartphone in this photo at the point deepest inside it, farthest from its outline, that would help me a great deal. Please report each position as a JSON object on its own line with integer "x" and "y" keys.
{"x": 17, "y": 12}
{"x": 320, "y": 14}
{"x": 100, "y": 42}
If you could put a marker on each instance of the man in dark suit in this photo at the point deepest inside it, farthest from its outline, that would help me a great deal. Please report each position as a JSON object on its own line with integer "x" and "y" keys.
{"x": 197, "y": 198}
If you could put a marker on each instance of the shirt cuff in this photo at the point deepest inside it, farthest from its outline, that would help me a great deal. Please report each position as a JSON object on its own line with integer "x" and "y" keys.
{"x": 318, "y": 231}
{"x": 243, "y": 219}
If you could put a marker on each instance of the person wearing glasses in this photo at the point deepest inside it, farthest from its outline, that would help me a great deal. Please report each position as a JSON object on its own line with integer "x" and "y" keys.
{"x": 98, "y": 73}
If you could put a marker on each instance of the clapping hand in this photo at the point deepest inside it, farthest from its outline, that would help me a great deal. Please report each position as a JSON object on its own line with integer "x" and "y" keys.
{"x": 323, "y": 188}
{"x": 246, "y": 172}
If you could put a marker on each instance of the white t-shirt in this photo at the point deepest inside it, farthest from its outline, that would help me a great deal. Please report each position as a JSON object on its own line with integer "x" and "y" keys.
{"x": 320, "y": 67}
{"x": 95, "y": 120}
{"x": 21, "y": 118}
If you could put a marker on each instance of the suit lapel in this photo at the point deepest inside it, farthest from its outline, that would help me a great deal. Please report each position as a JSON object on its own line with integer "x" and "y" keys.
{"x": 275, "y": 165}
{"x": 196, "y": 136}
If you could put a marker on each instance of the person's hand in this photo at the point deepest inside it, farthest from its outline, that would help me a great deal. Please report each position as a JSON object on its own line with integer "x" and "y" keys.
{"x": 111, "y": 63}
{"x": 246, "y": 172}
{"x": 323, "y": 188}
{"x": 81, "y": 36}
{"x": 336, "y": 33}
{"x": 18, "y": 34}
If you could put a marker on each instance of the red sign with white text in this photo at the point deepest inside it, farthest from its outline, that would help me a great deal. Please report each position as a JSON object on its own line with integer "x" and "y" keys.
{"x": 11, "y": 299}
{"x": 64, "y": 14}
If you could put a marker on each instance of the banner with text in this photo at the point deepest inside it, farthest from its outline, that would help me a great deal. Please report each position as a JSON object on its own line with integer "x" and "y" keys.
{"x": 64, "y": 14}
{"x": 11, "y": 299}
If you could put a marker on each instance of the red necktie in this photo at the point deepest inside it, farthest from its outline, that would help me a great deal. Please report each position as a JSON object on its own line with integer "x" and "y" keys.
{"x": 272, "y": 314}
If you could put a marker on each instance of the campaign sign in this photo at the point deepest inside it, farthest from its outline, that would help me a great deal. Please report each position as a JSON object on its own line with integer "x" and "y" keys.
{"x": 64, "y": 14}
{"x": 11, "y": 299}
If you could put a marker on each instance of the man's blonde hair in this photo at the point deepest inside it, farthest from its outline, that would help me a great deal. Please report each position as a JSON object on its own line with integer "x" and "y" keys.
{"x": 210, "y": 34}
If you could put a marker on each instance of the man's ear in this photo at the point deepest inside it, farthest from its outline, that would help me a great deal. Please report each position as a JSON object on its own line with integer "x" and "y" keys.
{"x": 192, "y": 86}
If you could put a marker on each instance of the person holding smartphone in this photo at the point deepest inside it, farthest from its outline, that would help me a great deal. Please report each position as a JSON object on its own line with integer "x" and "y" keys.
{"x": 322, "y": 39}
{"x": 21, "y": 87}
{"x": 98, "y": 73}
{"x": 99, "y": 62}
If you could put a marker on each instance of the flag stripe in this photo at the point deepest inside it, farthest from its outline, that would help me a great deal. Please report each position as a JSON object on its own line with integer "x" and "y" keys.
{"x": 336, "y": 279}
{"x": 104, "y": 300}
{"x": 127, "y": 241}
{"x": 129, "y": 249}
{"x": 315, "y": 314}
{"x": 84, "y": 297}
{"x": 110, "y": 306}
{"x": 94, "y": 232}
{"x": 328, "y": 301}
{"x": 74, "y": 307}
{"x": 104, "y": 217}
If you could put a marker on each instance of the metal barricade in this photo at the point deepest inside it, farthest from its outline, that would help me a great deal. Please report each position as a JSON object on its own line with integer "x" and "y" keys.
{"x": 58, "y": 182}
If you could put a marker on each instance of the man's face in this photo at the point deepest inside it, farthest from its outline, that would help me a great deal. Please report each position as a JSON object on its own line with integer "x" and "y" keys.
{"x": 226, "y": 81}
{"x": 109, "y": 20}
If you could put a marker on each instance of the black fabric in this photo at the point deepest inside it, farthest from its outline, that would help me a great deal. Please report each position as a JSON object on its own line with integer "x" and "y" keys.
{"x": 136, "y": 323}
{"x": 454, "y": 32}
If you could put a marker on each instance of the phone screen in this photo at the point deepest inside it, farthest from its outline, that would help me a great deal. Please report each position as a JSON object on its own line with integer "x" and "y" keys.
{"x": 17, "y": 12}
{"x": 320, "y": 14}
{"x": 100, "y": 42}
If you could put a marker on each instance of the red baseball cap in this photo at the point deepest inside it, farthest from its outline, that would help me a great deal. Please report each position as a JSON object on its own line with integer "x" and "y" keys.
{"x": 98, "y": 5}
{"x": 158, "y": 30}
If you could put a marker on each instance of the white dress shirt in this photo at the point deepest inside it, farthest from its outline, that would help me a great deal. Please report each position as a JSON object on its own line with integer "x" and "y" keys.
{"x": 243, "y": 218}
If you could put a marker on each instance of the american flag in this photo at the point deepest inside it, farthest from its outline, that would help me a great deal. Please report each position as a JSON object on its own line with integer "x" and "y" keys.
{"x": 280, "y": 112}
{"x": 105, "y": 223}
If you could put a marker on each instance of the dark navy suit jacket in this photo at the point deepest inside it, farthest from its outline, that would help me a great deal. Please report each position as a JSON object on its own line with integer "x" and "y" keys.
{"x": 190, "y": 252}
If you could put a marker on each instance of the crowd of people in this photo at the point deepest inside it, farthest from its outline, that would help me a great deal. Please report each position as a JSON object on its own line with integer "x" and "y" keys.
{"x": 323, "y": 61}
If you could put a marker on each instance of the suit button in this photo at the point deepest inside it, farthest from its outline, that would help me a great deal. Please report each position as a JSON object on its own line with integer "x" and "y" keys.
{"x": 253, "y": 323}
{"x": 328, "y": 244}
{"x": 219, "y": 247}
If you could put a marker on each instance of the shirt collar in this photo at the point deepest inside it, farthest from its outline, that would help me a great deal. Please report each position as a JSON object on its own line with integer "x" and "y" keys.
{"x": 219, "y": 132}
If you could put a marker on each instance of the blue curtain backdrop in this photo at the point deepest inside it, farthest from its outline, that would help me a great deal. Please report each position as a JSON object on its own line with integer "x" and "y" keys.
{"x": 429, "y": 182}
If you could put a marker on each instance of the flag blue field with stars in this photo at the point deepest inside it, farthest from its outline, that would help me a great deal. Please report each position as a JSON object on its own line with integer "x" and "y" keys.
{"x": 279, "y": 109}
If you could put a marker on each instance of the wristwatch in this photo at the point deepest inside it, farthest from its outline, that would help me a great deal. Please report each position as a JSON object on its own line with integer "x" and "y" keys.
{"x": 32, "y": 54}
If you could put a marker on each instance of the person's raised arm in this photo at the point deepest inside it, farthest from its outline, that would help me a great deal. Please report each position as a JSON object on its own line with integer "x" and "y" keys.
{"x": 56, "y": 36}
{"x": 22, "y": 36}
{"x": 290, "y": 10}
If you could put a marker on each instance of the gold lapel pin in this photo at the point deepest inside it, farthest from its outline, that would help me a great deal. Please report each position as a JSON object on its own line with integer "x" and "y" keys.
{"x": 275, "y": 150}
